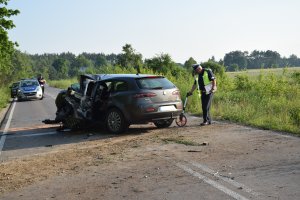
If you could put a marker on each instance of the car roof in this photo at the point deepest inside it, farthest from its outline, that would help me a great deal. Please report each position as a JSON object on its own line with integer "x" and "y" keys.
{"x": 134, "y": 76}
{"x": 28, "y": 80}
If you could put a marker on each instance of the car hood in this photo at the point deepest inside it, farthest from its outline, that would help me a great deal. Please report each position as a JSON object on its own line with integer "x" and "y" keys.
{"x": 29, "y": 88}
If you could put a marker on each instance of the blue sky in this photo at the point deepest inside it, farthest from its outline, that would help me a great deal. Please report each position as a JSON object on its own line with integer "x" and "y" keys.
{"x": 182, "y": 28}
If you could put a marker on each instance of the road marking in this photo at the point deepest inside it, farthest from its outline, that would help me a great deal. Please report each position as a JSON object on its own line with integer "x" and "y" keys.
{"x": 228, "y": 180}
{"x": 3, "y": 136}
{"x": 212, "y": 183}
{"x": 209, "y": 181}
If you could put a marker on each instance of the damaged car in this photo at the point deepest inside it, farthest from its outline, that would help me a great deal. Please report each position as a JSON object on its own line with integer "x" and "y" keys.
{"x": 119, "y": 100}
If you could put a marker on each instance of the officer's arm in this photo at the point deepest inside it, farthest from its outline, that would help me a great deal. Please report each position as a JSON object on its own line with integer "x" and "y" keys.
{"x": 192, "y": 90}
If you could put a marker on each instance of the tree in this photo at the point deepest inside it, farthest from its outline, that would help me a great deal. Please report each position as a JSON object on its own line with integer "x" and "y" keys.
{"x": 293, "y": 60}
{"x": 22, "y": 65}
{"x": 80, "y": 64}
{"x": 7, "y": 47}
{"x": 188, "y": 64}
{"x": 236, "y": 58}
{"x": 130, "y": 58}
{"x": 62, "y": 67}
{"x": 215, "y": 67}
{"x": 161, "y": 63}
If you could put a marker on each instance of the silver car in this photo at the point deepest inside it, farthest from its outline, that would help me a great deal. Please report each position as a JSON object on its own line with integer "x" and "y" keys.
{"x": 29, "y": 89}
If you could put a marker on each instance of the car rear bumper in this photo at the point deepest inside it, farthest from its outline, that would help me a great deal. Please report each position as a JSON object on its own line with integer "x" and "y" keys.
{"x": 160, "y": 116}
{"x": 144, "y": 117}
{"x": 144, "y": 113}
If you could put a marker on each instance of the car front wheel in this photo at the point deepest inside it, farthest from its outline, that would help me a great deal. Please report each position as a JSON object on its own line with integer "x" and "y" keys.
{"x": 163, "y": 123}
{"x": 115, "y": 121}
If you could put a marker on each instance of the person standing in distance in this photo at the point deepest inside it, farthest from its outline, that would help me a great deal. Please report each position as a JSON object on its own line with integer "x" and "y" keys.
{"x": 207, "y": 85}
{"x": 42, "y": 82}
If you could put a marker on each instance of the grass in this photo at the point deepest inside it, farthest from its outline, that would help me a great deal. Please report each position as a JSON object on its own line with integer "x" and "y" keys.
{"x": 257, "y": 72}
{"x": 4, "y": 97}
{"x": 62, "y": 84}
{"x": 268, "y": 100}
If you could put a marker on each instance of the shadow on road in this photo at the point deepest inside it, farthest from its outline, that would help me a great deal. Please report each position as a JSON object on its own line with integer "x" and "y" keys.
{"x": 41, "y": 136}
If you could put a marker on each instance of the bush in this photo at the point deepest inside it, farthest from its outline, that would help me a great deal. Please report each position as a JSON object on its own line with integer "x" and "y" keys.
{"x": 4, "y": 96}
{"x": 217, "y": 69}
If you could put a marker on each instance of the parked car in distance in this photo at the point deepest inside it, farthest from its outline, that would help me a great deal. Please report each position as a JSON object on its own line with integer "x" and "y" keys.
{"x": 14, "y": 89}
{"x": 119, "y": 100}
{"x": 29, "y": 89}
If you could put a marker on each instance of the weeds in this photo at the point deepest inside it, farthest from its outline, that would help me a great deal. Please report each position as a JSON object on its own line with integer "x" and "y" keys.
{"x": 4, "y": 97}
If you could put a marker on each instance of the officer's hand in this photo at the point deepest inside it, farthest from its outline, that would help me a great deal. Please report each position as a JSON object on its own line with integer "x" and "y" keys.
{"x": 214, "y": 89}
{"x": 189, "y": 94}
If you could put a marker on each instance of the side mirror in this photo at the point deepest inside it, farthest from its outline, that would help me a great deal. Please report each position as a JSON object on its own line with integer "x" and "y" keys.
{"x": 75, "y": 87}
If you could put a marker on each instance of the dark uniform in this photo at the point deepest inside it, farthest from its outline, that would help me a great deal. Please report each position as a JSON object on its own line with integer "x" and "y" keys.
{"x": 204, "y": 80}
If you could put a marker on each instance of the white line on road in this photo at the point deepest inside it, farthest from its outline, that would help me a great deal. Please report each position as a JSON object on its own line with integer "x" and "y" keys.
{"x": 3, "y": 137}
{"x": 228, "y": 180}
{"x": 212, "y": 183}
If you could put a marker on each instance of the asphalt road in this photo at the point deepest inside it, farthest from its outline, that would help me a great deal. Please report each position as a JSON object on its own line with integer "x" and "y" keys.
{"x": 25, "y": 134}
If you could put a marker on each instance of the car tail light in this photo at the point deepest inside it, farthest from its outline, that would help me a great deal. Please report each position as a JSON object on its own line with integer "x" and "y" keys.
{"x": 176, "y": 92}
{"x": 150, "y": 109}
{"x": 144, "y": 95}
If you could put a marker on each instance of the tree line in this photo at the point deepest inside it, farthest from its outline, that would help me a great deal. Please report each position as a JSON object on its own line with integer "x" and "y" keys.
{"x": 238, "y": 60}
{"x": 68, "y": 65}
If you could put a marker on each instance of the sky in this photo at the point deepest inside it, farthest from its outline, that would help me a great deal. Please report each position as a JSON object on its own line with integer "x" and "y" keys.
{"x": 181, "y": 28}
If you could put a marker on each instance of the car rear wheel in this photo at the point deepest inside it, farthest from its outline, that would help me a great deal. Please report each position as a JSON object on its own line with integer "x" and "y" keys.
{"x": 115, "y": 121}
{"x": 163, "y": 123}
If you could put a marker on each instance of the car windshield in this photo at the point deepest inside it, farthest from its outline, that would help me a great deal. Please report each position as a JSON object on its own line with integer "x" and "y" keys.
{"x": 29, "y": 83}
{"x": 154, "y": 83}
{"x": 15, "y": 84}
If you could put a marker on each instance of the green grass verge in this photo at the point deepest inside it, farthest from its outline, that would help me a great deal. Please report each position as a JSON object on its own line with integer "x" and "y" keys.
{"x": 4, "y": 97}
{"x": 62, "y": 84}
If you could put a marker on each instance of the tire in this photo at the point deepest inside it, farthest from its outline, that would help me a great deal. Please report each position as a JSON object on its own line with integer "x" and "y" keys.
{"x": 115, "y": 121}
{"x": 181, "y": 120}
{"x": 163, "y": 123}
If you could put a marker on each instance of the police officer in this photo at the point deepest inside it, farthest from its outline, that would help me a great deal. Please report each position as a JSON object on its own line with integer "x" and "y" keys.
{"x": 42, "y": 82}
{"x": 207, "y": 85}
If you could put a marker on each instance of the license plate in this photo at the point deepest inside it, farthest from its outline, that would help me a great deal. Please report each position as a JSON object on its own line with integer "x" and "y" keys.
{"x": 166, "y": 108}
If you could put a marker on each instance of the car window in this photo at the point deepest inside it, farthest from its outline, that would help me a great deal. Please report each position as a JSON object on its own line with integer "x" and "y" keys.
{"x": 29, "y": 83}
{"x": 154, "y": 83}
{"x": 15, "y": 84}
{"x": 120, "y": 86}
{"x": 109, "y": 85}
{"x": 75, "y": 87}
